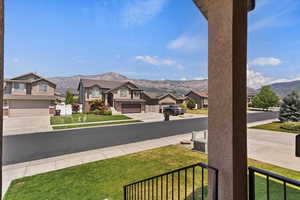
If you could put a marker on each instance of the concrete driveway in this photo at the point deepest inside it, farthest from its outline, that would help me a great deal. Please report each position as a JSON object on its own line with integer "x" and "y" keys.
{"x": 24, "y": 125}
{"x": 155, "y": 117}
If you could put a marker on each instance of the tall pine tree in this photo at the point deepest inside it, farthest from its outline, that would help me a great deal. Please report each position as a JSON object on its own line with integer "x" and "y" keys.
{"x": 290, "y": 108}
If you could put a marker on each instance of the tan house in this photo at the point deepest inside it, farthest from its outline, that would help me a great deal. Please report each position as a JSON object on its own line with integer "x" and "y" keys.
{"x": 199, "y": 97}
{"x": 162, "y": 99}
{"x": 124, "y": 97}
{"x": 28, "y": 95}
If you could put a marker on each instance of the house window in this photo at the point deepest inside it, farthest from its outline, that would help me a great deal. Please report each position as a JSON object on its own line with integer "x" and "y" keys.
{"x": 95, "y": 92}
{"x": 123, "y": 92}
{"x": 19, "y": 86}
{"x": 5, "y": 103}
{"x": 136, "y": 94}
{"x": 43, "y": 87}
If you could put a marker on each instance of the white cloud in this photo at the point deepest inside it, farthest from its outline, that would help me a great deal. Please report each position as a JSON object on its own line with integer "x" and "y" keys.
{"x": 183, "y": 79}
{"x": 188, "y": 43}
{"x": 141, "y": 11}
{"x": 265, "y": 61}
{"x": 199, "y": 78}
{"x": 148, "y": 59}
{"x": 153, "y": 60}
{"x": 257, "y": 80}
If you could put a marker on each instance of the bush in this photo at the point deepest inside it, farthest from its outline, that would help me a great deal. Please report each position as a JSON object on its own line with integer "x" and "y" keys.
{"x": 75, "y": 107}
{"x": 98, "y": 105}
{"x": 107, "y": 112}
{"x": 183, "y": 106}
{"x": 191, "y": 104}
{"x": 292, "y": 126}
{"x": 290, "y": 108}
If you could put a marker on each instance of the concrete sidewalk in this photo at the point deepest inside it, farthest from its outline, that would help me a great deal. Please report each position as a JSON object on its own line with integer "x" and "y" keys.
{"x": 272, "y": 147}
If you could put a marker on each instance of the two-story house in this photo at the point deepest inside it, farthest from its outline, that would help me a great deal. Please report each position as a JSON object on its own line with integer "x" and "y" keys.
{"x": 124, "y": 97}
{"x": 28, "y": 95}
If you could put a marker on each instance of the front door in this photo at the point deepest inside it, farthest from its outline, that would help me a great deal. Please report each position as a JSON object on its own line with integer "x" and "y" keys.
{"x": 110, "y": 100}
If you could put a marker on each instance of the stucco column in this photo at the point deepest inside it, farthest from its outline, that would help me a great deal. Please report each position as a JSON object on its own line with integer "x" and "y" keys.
{"x": 1, "y": 83}
{"x": 227, "y": 53}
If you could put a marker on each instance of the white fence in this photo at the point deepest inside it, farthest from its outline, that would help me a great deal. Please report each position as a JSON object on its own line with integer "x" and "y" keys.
{"x": 66, "y": 109}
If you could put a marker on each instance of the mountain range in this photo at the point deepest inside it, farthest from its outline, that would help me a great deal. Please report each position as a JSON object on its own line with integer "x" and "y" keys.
{"x": 284, "y": 88}
{"x": 178, "y": 86}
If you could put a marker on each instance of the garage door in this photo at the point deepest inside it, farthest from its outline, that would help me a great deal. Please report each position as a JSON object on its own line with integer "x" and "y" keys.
{"x": 20, "y": 108}
{"x": 131, "y": 108}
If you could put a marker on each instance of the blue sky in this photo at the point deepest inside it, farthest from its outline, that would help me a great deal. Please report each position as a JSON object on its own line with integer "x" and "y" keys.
{"x": 151, "y": 39}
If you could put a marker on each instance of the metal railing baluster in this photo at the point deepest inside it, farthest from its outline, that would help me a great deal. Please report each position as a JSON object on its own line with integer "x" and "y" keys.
{"x": 150, "y": 187}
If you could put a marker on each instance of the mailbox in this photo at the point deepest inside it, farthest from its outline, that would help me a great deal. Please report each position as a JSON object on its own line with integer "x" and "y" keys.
{"x": 203, "y": 6}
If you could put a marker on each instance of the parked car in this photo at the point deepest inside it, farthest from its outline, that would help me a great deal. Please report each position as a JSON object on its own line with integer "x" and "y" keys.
{"x": 174, "y": 110}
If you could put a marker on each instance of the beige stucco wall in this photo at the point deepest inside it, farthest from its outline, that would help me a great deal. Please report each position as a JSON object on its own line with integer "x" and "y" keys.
{"x": 35, "y": 89}
{"x": 117, "y": 94}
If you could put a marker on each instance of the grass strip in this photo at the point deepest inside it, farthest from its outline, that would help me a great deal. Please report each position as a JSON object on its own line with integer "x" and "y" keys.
{"x": 95, "y": 124}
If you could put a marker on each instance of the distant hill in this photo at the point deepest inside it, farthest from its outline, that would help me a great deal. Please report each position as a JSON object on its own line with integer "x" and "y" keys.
{"x": 282, "y": 89}
{"x": 180, "y": 87}
{"x": 177, "y": 86}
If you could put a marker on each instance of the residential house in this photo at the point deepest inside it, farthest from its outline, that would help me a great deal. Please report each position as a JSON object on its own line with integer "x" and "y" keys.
{"x": 28, "y": 95}
{"x": 199, "y": 97}
{"x": 124, "y": 97}
{"x": 161, "y": 100}
{"x": 250, "y": 94}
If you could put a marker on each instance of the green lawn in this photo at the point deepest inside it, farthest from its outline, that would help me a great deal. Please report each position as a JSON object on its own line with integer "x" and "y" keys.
{"x": 105, "y": 179}
{"x": 275, "y": 126}
{"x": 95, "y": 124}
{"x": 203, "y": 111}
{"x": 81, "y": 118}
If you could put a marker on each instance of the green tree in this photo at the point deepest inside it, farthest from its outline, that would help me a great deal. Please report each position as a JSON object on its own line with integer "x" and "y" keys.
{"x": 69, "y": 97}
{"x": 290, "y": 108}
{"x": 265, "y": 99}
{"x": 191, "y": 104}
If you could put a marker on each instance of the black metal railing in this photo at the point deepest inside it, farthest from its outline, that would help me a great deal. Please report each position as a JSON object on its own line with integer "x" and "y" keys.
{"x": 280, "y": 181}
{"x": 185, "y": 183}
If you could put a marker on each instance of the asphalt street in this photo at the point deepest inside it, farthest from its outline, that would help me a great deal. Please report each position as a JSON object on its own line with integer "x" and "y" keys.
{"x": 28, "y": 147}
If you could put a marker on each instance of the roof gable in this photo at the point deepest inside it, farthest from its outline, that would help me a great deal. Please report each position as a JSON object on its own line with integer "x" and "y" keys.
{"x": 43, "y": 79}
{"x": 29, "y": 76}
{"x": 202, "y": 94}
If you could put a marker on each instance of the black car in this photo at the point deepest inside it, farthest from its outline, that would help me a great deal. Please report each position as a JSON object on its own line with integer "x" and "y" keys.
{"x": 174, "y": 110}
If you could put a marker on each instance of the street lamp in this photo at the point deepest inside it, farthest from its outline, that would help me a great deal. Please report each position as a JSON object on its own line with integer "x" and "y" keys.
{"x": 203, "y": 6}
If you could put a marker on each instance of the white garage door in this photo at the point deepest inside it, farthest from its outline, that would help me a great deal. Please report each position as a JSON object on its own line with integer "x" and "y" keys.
{"x": 20, "y": 108}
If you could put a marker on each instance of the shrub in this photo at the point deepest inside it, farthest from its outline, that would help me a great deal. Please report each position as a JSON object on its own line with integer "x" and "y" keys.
{"x": 97, "y": 105}
{"x": 183, "y": 106}
{"x": 292, "y": 126}
{"x": 75, "y": 107}
{"x": 191, "y": 104}
{"x": 290, "y": 108}
{"x": 107, "y": 112}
